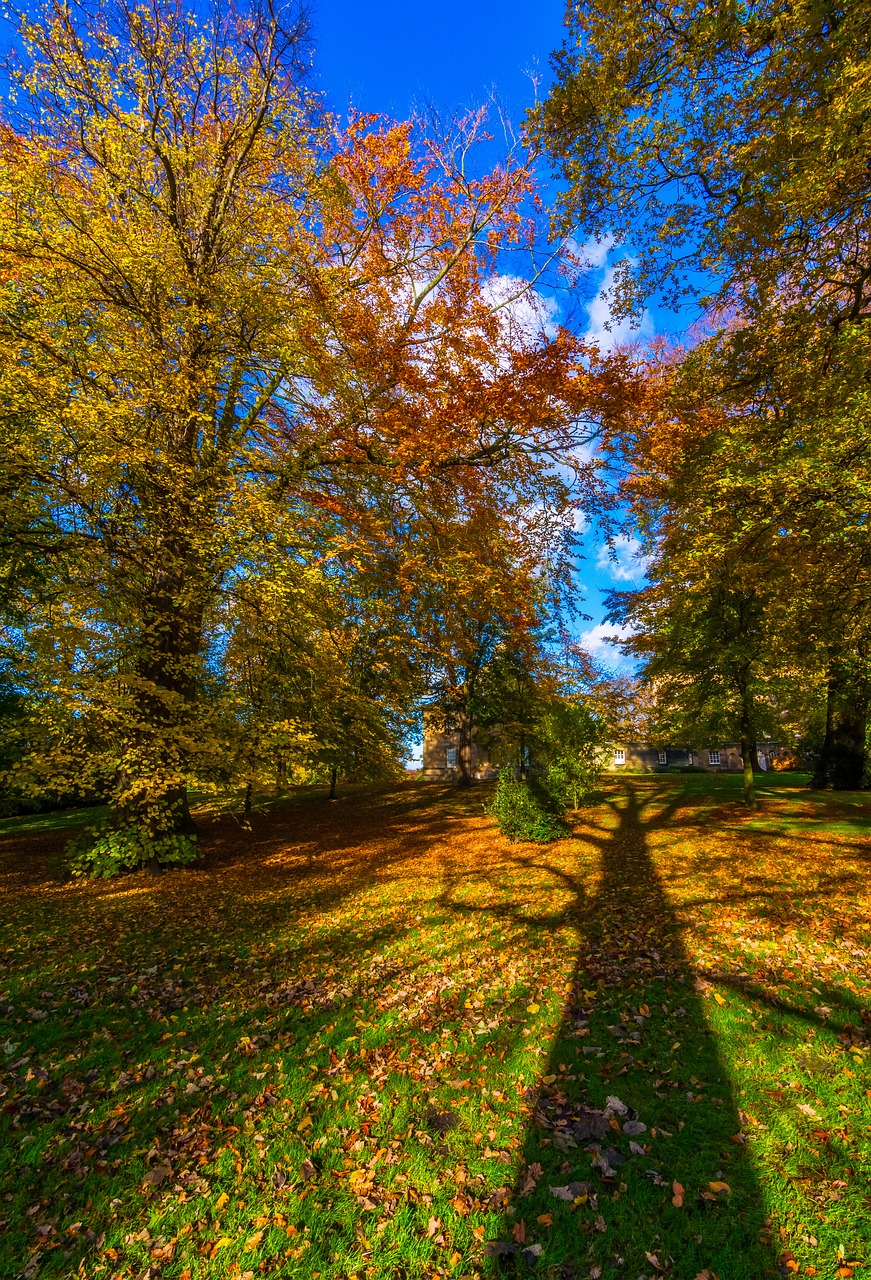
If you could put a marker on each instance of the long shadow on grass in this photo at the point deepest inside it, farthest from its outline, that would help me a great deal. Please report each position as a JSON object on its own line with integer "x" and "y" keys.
{"x": 635, "y": 1111}
{"x": 177, "y": 1045}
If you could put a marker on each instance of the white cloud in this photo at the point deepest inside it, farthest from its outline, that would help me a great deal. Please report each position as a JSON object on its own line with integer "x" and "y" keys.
{"x": 526, "y": 314}
{"x": 598, "y": 642}
{"x": 622, "y": 559}
{"x": 590, "y": 256}
{"x": 606, "y": 332}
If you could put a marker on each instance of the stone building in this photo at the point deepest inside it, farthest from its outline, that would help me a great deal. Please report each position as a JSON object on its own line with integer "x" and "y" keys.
{"x": 441, "y": 757}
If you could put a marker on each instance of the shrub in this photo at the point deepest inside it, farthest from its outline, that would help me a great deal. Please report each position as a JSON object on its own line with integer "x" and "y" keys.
{"x": 107, "y": 851}
{"x": 525, "y": 810}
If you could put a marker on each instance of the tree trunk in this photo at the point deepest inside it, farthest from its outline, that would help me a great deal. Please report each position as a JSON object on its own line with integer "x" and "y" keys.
{"x": 754, "y": 756}
{"x": 280, "y": 774}
{"x": 151, "y": 790}
{"x": 843, "y": 759}
{"x": 748, "y": 746}
{"x": 334, "y": 774}
{"x": 249, "y": 790}
{"x": 464, "y": 751}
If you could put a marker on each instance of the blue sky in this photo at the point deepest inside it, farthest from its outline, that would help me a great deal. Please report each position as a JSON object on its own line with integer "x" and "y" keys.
{"x": 389, "y": 57}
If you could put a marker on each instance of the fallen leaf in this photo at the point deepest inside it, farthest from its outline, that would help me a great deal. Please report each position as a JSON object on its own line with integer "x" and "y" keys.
{"x": 253, "y": 1241}
{"x": 519, "y": 1232}
{"x": 653, "y": 1260}
{"x": 719, "y": 999}
{"x": 545, "y": 1220}
{"x": 677, "y": 1198}
{"x": 158, "y": 1174}
{"x": 634, "y": 1127}
{"x": 222, "y": 1199}
{"x": 308, "y": 1170}
{"x": 720, "y": 1187}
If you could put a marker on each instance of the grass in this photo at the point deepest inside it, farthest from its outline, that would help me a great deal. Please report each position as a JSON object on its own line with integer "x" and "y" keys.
{"x": 367, "y": 1038}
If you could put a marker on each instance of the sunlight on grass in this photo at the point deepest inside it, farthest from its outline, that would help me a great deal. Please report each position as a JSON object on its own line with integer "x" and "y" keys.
{"x": 371, "y": 1038}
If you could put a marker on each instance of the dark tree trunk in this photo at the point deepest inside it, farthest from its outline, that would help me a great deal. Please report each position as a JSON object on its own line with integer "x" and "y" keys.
{"x": 249, "y": 790}
{"x": 334, "y": 774}
{"x": 843, "y": 759}
{"x": 280, "y": 774}
{"x": 748, "y": 745}
{"x": 165, "y": 716}
{"x": 464, "y": 751}
{"x": 754, "y": 756}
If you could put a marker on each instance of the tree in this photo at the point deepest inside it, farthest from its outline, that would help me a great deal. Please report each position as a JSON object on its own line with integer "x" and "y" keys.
{"x": 725, "y": 144}
{"x": 225, "y": 324}
{"x": 725, "y": 148}
{"x": 569, "y": 738}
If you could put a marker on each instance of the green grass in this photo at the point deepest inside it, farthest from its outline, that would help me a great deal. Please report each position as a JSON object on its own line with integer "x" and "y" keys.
{"x": 348, "y": 1043}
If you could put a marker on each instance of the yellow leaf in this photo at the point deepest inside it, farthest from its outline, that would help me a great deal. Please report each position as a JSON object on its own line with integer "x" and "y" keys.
{"x": 222, "y": 1199}
{"x": 305, "y": 1123}
{"x": 455, "y": 1258}
{"x": 548, "y": 1079}
{"x": 719, "y": 999}
{"x": 253, "y": 1241}
{"x": 225, "y": 1240}
{"x": 719, "y": 1186}
{"x": 533, "y": 1008}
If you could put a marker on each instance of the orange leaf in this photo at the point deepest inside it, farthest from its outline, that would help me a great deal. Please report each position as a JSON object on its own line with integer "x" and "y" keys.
{"x": 545, "y": 1219}
{"x": 677, "y": 1198}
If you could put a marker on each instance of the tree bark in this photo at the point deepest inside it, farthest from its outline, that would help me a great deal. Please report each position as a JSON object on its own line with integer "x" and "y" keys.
{"x": 843, "y": 759}
{"x": 748, "y": 746}
{"x": 151, "y": 792}
{"x": 334, "y": 774}
{"x": 464, "y": 751}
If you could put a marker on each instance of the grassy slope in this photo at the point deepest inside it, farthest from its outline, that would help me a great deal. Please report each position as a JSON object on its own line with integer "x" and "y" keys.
{"x": 348, "y": 1044}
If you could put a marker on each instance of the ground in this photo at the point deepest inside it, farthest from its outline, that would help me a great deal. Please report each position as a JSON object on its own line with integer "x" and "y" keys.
{"x": 373, "y": 1039}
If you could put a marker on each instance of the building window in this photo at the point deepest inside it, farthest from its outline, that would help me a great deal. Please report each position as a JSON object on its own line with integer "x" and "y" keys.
{"x": 452, "y": 757}
{"x": 661, "y": 757}
{"x": 713, "y": 757}
{"x": 619, "y": 755}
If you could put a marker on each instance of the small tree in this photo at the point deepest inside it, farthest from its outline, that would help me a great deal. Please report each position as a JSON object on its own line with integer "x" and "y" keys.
{"x": 568, "y": 738}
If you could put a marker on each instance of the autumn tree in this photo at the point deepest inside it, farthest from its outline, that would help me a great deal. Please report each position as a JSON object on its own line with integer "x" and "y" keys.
{"x": 227, "y": 324}
{"x": 725, "y": 149}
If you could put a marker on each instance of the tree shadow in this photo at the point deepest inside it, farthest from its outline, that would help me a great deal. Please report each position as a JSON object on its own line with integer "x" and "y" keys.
{"x": 186, "y": 970}
{"x": 628, "y": 1157}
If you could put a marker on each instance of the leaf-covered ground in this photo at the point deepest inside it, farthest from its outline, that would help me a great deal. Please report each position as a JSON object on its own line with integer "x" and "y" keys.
{"x": 372, "y": 1039}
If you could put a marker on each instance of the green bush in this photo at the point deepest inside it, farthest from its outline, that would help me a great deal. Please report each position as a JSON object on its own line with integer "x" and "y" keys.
{"x": 525, "y": 810}
{"x": 107, "y": 851}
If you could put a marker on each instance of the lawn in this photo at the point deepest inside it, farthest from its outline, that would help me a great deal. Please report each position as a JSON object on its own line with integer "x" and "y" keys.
{"x": 372, "y": 1039}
